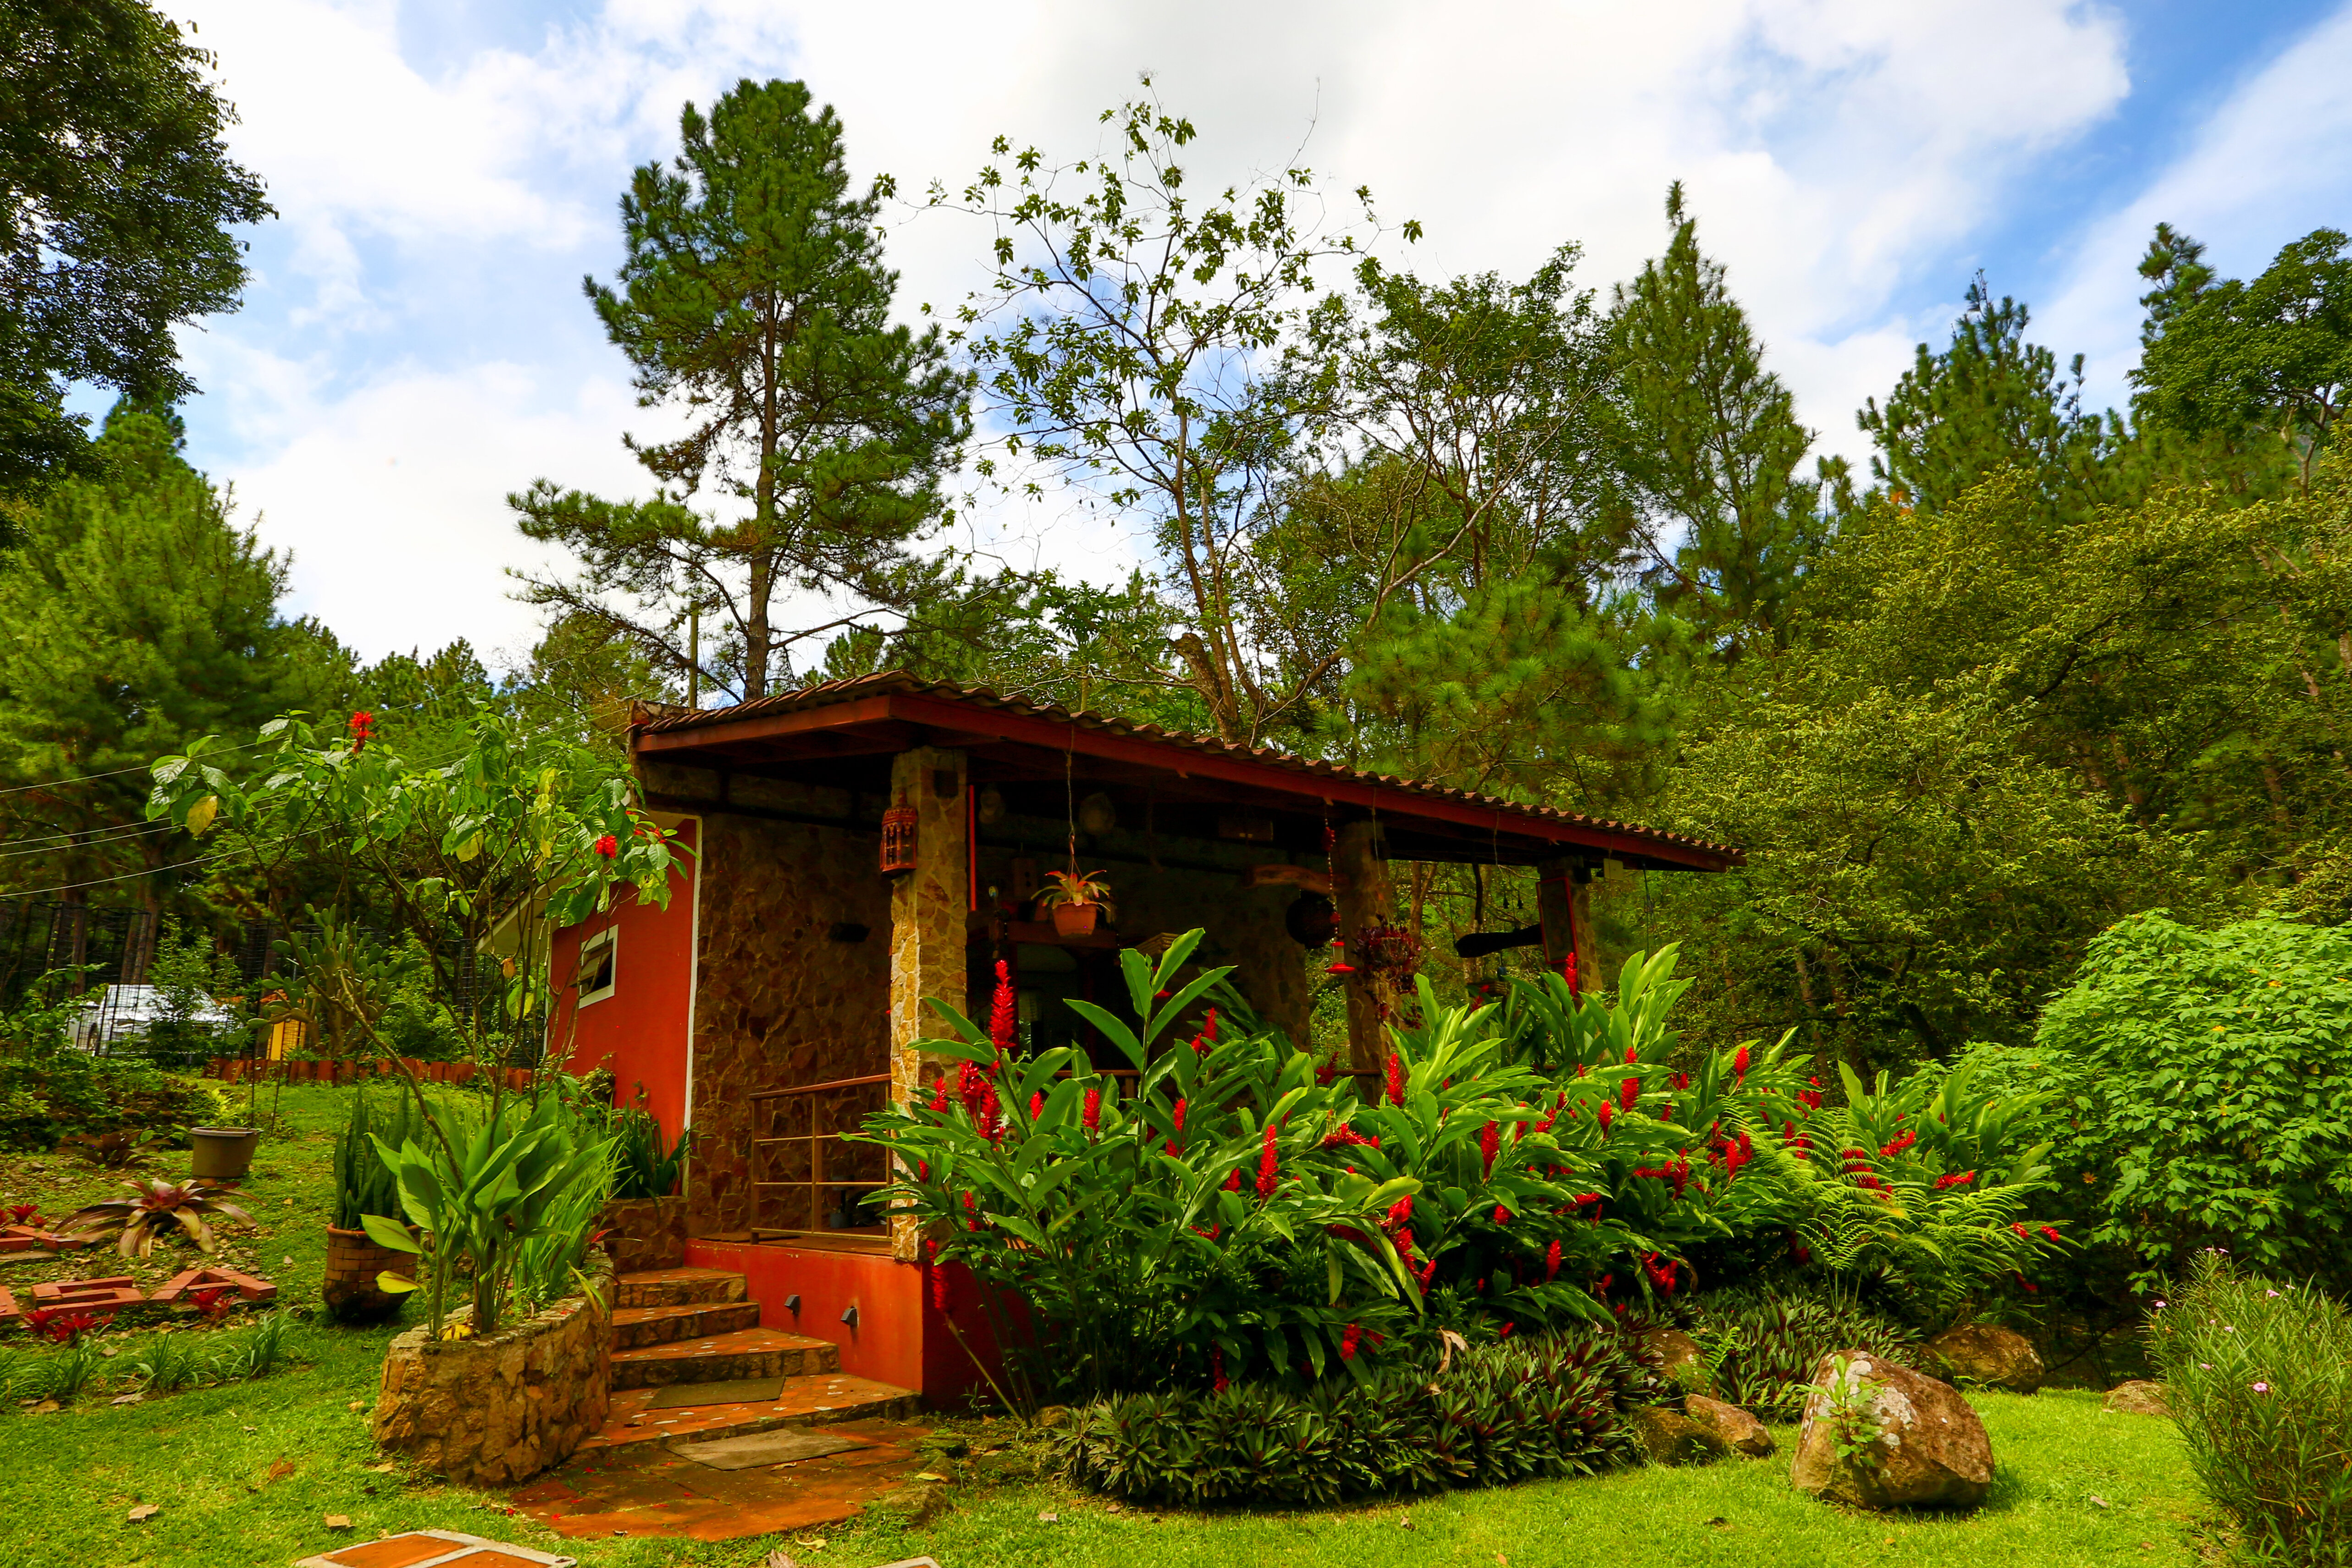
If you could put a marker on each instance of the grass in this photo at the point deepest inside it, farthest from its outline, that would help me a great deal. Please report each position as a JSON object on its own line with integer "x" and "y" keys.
{"x": 245, "y": 1473}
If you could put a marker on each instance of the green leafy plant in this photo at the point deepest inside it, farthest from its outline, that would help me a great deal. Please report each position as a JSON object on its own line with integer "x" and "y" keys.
{"x": 1845, "y": 1403}
{"x": 364, "y": 1184}
{"x": 644, "y": 1167}
{"x": 1762, "y": 1344}
{"x": 1486, "y": 1416}
{"x": 167, "y": 1363}
{"x": 257, "y": 1351}
{"x": 1074, "y": 887}
{"x": 153, "y": 1209}
{"x": 2258, "y": 1375}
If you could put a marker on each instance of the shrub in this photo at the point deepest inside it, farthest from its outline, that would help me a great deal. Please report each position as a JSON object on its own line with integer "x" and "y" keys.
{"x": 1486, "y": 1416}
{"x": 48, "y": 1096}
{"x": 2203, "y": 1074}
{"x": 364, "y": 1183}
{"x": 2259, "y": 1377}
{"x": 1764, "y": 1343}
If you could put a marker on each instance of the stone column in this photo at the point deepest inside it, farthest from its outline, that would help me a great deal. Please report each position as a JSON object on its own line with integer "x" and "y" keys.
{"x": 1365, "y": 897}
{"x": 1565, "y": 915}
{"x": 927, "y": 928}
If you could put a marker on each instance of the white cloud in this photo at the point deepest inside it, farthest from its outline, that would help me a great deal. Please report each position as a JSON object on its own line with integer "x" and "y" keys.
{"x": 1833, "y": 149}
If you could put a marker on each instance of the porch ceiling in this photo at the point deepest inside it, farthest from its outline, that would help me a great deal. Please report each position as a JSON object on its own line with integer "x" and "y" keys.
{"x": 845, "y": 733}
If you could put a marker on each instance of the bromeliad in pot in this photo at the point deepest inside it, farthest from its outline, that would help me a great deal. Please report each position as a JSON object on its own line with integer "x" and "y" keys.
{"x": 1076, "y": 899}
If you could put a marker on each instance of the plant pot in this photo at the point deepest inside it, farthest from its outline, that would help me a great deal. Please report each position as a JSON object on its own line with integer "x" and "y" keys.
{"x": 352, "y": 1263}
{"x": 1076, "y": 919}
{"x": 222, "y": 1154}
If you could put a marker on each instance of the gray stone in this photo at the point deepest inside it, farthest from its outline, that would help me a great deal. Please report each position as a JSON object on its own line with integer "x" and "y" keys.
{"x": 1736, "y": 1426}
{"x": 1925, "y": 1447}
{"x": 1986, "y": 1354}
{"x": 1666, "y": 1439}
{"x": 1683, "y": 1367}
{"x": 2138, "y": 1397}
{"x": 756, "y": 1450}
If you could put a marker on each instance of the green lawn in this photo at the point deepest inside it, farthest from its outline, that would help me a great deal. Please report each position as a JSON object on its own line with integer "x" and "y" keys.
{"x": 246, "y": 1474}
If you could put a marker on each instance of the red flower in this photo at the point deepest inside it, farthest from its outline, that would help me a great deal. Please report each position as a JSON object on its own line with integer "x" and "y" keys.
{"x": 1091, "y": 1117}
{"x": 1349, "y": 1338}
{"x": 939, "y": 1100}
{"x": 1505, "y": 1331}
{"x": 1628, "y": 1091}
{"x": 1396, "y": 1079}
{"x": 1551, "y": 1262}
{"x": 1804, "y": 1254}
{"x": 1898, "y": 1146}
{"x": 2022, "y": 1234}
{"x": 1324, "y": 1073}
{"x": 1004, "y": 1012}
{"x": 1179, "y": 1127}
{"x": 1502, "y": 1215}
{"x": 363, "y": 730}
{"x": 1036, "y": 1106}
{"x": 1490, "y": 1143}
{"x": 1217, "y": 1365}
{"x": 1399, "y": 1213}
{"x": 2028, "y": 1284}
{"x": 2050, "y": 1233}
{"x": 1604, "y": 1118}
{"x": 1234, "y": 1182}
{"x": 1269, "y": 1166}
{"x": 1954, "y": 1179}
{"x": 1567, "y": 972}
{"x": 1739, "y": 1066}
{"x": 608, "y": 847}
{"x": 972, "y": 1088}
{"x": 25, "y": 1214}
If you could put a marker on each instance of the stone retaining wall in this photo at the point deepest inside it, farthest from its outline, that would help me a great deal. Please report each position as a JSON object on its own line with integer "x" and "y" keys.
{"x": 495, "y": 1411}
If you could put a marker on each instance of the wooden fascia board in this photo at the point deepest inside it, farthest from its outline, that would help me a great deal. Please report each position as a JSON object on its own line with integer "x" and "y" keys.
{"x": 768, "y": 726}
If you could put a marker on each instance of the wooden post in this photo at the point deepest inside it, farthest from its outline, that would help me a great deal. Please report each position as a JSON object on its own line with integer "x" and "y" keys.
{"x": 926, "y": 930}
{"x": 1559, "y": 905}
{"x": 1365, "y": 897}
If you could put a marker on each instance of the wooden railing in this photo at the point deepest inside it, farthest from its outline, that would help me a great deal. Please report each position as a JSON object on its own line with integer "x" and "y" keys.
{"x": 777, "y": 1175}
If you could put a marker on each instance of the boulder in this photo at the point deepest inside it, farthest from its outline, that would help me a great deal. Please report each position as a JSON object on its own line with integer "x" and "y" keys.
{"x": 1742, "y": 1431}
{"x": 1920, "y": 1445}
{"x": 1683, "y": 1366}
{"x": 1987, "y": 1354}
{"x": 1666, "y": 1439}
{"x": 2138, "y": 1397}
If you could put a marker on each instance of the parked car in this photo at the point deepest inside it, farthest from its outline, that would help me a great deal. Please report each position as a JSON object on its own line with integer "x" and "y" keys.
{"x": 127, "y": 1016}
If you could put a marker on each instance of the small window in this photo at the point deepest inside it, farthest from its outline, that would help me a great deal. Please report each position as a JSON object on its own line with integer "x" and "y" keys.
{"x": 595, "y": 979}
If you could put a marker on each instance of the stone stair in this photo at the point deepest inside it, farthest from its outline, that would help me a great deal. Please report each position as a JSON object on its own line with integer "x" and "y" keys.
{"x": 695, "y": 1325}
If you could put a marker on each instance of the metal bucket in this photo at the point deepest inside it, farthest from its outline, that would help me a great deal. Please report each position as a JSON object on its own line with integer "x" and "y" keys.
{"x": 222, "y": 1154}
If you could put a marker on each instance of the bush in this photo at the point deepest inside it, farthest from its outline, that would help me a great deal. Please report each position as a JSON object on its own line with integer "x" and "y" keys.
{"x": 2204, "y": 1074}
{"x": 2259, "y": 1377}
{"x": 48, "y": 1097}
{"x": 1491, "y": 1414}
{"x": 1764, "y": 1343}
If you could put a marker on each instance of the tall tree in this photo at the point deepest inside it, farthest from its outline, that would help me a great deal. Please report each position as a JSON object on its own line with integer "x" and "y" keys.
{"x": 134, "y": 617}
{"x": 753, "y": 302}
{"x": 1705, "y": 444}
{"x": 2274, "y": 355}
{"x": 116, "y": 196}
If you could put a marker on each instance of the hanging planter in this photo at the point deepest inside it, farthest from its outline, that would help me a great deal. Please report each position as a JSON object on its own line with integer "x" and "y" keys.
{"x": 1076, "y": 900}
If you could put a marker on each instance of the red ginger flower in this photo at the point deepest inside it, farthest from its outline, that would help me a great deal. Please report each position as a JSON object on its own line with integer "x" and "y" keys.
{"x": 1036, "y": 1106}
{"x": 1091, "y": 1117}
{"x": 1269, "y": 1166}
{"x": 1399, "y": 1212}
{"x": 1396, "y": 1079}
{"x": 1179, "y": 1127}
{"x": 1234, "y": 1182}
{"x": 1629, "y": 1090}
{"x": 2022, "y": 1234}
{"x": 1898, "y": 1146}
{"x": 1217, "y": 1366}
{"x": 1955, "y": 1179}
{"x": 1004, "y": 1012}
{"x": 1551, "y": 1261}
{"x": 2050, "y": 1233}
{"x": 1349, "y": 1338}
{"x": 939, "y": 1100}
{"x": 1739, "y": 1066}
{"x": 1604, "y": 1118}
{"x": 608, "y": 847}
{"x": 1490, "y": 1143}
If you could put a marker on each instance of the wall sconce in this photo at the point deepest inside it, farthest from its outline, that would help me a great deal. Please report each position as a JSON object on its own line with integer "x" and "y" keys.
{"x": 898, "y": 838}
{"x": 793, "y": 1305}
{"x": 849, "y": 1314}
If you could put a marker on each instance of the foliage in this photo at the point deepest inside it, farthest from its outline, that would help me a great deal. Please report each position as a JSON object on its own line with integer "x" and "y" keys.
{"x": 46, "y": 1097}
{"x": 1487, "y": 1416}
{"x": 1075, "y": 888}
{"x": 755, "y": 300}
{"x": 2203, "y": 1075}
{"x": 2258, "y": 1379}
{"x": 117, "y": 195}
{"x": 364, "y": 1184}
{"x": 154, "y": 1208}
{"x": 507, "y": 1195}
{"x": 643, "y": 1167}
{"x": 1772, "y": 1338}
{"x": 1845, "y": 1402}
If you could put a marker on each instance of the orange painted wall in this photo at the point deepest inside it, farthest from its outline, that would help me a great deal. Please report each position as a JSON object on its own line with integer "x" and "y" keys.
{"x": 641, "y": 1031}
{"x": 901, "y": 1337}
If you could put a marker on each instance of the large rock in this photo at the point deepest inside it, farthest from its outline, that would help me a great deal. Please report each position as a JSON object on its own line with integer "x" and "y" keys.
{"x": 1683, "y": 1365}
{"x": 1666, "y": 1439}
{"x": 1986, "y": 1354}
{"x": 2138, "y": 1397}
{"x": 1920, "y": 1446}
{"x": 1742, "y": 1431}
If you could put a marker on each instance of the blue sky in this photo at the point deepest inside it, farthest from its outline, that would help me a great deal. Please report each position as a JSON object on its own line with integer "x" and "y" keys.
{"x": 415, "y": 344}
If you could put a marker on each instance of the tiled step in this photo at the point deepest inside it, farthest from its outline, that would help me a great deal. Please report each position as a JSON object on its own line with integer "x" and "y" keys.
{"x": 636, "y": 1326}
{"x": 824, "y": 1399}
{"x": 678, "y": 1287}
{"x": 719, "y": 1358}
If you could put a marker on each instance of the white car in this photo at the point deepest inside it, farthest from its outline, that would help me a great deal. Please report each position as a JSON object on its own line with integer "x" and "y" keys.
{"x": 120, "y": 1013}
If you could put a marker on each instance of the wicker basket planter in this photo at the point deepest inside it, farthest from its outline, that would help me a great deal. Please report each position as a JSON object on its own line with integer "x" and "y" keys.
{"x": 352, "y": 1263}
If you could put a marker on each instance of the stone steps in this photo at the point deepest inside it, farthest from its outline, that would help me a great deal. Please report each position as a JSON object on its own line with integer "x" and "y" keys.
{"x": 819, "y": 1399}
{"x": 677, "y": 1288}
{"x": 635, "y": 1327}
{"x": 719, "y": 1358}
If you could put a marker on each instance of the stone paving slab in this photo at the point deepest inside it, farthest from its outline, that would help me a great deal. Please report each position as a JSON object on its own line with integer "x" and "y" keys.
{"x": 826, "y": 1400}
{"x": 715, "y": 1358}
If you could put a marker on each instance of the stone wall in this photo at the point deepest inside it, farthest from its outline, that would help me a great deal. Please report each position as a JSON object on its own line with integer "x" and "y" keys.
{"x": 495, "y": 1411}
{"x": 646, "y": 1233}
{"x": 778, "y": 1000}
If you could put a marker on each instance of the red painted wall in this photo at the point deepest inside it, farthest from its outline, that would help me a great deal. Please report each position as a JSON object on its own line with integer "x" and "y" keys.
{"x": 641, "y": 1030}
{"x": 901, "y": 1337}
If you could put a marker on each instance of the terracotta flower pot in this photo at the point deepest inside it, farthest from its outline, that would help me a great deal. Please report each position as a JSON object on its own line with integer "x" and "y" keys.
{"x": 352, "y": 1263}
{"x": 1076, "y": 919}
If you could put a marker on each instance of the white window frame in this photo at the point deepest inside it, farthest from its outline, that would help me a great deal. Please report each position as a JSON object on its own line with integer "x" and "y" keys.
{"x": 609, "y": 941}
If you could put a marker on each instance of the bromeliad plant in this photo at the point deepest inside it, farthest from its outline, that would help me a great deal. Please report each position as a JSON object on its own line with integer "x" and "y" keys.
{"x": 153, "y": 1209}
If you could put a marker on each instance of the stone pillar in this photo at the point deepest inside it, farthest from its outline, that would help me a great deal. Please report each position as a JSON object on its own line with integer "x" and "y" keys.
{"x": 1365, "y": 897}
{"x": 1566, "y": 914}
{"x": 927, "y": 928}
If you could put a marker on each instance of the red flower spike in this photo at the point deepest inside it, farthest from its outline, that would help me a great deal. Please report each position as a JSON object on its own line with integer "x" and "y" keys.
{"x": 1505, "y": 1331}
{"x": 1091, "y": 1117}
{"x": 1629, "y": 1090}
{"x": 1004, "y": 1012}
{"x": 1739, "y": 1066}
{"x": 2049, "y": 1233}
{"x": 1036, "y": 1106}
{"x": 1604, "y": 1118}
{"x": 608, "y": 847}
{"x": 1234, "y": 1182}
{"x": 1399, "y": 1212}
{"x": 1490, "y": 1143}
{"x": 1396, "y": 1079}
{"x": 1217, "y": 1365}
{"x": 1349, "y": 1338}
{"x": 1269, "y": 1166}
{"x": 1502, "y": 1214}
{"x": 939, "y": 1100}
{"x": 1551, "y": 1262}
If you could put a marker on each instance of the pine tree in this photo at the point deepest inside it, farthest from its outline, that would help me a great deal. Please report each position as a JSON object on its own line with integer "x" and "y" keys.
{"x": 753, "y": 300}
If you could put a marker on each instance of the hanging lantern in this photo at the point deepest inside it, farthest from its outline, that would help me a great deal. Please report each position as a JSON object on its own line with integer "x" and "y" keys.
{"x": 899, "y": 837}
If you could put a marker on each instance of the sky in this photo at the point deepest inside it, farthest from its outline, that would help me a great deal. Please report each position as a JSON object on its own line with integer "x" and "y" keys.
{"x": 414, "y": 344}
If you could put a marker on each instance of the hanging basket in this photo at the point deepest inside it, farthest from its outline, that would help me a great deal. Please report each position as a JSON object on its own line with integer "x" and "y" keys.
{"x": 1076, "y": 919}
